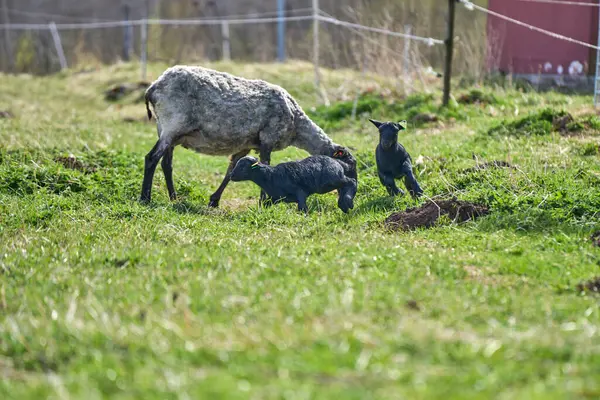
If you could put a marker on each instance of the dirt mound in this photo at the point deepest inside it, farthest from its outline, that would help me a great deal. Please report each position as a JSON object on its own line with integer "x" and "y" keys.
{"x": 131, "y": 120}
{"x": 6, "y": 114}
{"x": 119, "y": 91}
{"x": 490, "y": 164}
{"x": 422, "y": 118}
{"x": 592, "y": 285}
{"x": 477, "y": 97}
{"x": 596, "y": 239}
{"x": 72, "y": 162}
{"x": 427, "y": 215}
{"x": 562, "y": 123}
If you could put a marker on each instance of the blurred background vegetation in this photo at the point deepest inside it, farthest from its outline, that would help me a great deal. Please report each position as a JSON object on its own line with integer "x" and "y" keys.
{"x": 33, "y": 51}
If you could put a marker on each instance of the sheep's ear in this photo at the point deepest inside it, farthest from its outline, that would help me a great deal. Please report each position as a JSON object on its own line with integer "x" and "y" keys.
{"x": 376, "y": 123}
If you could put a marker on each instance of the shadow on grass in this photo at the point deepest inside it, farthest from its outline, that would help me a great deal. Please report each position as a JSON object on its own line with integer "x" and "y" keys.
{"x": 384, "y": 204}
{"x": 185, "y": 207}
{"x": 537, "y": 223}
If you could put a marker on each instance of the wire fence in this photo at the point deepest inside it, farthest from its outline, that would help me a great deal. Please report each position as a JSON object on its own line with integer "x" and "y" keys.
{"x": 56, "y": 45}
{"x": 384, "y": 47}
{"x": 471, "y": 6}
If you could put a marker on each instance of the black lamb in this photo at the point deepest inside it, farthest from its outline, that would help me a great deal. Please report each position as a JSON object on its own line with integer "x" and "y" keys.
{"x": 393, "y": 161}
{"x": 293, "y": 182}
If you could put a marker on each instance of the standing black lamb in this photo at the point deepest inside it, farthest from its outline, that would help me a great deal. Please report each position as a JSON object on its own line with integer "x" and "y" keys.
{"x": 216, "y": 113}
{"x": 293, "y": 182}
{"x": 393, "y": 161}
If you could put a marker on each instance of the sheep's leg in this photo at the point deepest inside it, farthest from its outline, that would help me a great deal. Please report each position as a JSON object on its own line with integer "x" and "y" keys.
{"x": 265, "y": 158}
{"x": 301, "y": 197}
{"x": 346, "y": 195}
{"x": 411, "y": 184}
{"x": 167, "y": 167}
{"x": 216, "y": 196}
{"x": 150, "y": 163}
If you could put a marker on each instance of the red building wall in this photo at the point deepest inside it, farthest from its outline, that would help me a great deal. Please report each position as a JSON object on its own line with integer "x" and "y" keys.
{"x": 516, "y": 49}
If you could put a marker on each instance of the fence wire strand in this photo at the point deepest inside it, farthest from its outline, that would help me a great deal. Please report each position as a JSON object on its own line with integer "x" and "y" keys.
{"x": 470, "y": 6}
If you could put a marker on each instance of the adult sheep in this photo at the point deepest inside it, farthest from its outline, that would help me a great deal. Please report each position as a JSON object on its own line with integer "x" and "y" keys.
{"x": 217, "y": 113}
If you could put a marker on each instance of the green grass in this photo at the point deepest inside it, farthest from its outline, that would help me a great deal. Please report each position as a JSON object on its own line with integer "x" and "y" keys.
{"x": 103, "y": 297}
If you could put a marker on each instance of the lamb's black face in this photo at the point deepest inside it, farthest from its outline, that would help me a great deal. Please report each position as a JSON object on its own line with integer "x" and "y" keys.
{"x": 241, "y": 171}
{"x": 388, "y": 132}
{"x": 388, "y": 135}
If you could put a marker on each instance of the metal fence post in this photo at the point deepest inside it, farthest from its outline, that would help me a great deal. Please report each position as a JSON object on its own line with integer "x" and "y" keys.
{"x": 58, "y": 45}
{"x": 144, "y": 41}
{"x": 315, "y": 9}
{"x": 226, "y": 42}
{"x": 7, "y": 42}
{"x": 281, "y": 30}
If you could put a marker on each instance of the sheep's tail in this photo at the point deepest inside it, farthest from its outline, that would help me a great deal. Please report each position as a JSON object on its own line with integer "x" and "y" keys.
{"x": 149, "y": 100}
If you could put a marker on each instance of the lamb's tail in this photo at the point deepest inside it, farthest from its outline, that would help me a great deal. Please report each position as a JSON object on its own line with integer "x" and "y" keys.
{"x": 149, "y": 100}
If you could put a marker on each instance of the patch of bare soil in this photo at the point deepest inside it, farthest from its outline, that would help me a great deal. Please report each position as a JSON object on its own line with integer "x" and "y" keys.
{"x": 6, "y": 114}
{"x": 427, "y": 215}
{"x": 425, "y": 117}
{"x": 119, "y": 91}
{"x": 132, "y": 119}
{"x": 560, "y": 123}
{"x": 72, "y": 162}
{"x": 476, "y": 97}
{"x": 413, "y": 305}
{"x": 596, "y": 239}
{"x": 592, "y": 285}
{"x": 490, "y": 164}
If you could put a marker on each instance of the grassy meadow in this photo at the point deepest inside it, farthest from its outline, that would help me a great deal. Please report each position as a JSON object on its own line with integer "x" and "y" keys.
{"x": 104, "y": 297}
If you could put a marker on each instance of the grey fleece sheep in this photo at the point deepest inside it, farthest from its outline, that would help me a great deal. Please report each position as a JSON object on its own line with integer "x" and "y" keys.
{"x": 293, "y": 182}
{"x": 216, "y": 113}
{"x": 393, "y": 161}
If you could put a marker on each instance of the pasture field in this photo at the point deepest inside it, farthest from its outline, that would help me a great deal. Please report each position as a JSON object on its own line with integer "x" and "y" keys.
{"x": 103, "y": 297}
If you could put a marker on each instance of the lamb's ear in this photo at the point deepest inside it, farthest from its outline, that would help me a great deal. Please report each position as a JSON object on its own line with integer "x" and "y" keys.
{"x": 376, "y": 123}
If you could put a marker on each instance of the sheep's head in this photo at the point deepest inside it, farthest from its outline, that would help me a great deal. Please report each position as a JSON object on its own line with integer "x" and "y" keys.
{"x": 343, "y": 154}
{"x": 388, "y": 132}
{"x": 243, "y": 168}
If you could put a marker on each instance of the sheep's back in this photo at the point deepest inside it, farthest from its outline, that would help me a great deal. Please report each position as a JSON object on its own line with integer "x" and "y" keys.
{"x": 216, "y": 102}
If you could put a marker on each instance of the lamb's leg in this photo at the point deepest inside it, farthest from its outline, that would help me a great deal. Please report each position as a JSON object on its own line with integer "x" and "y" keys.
{"x": 301, "y": 197}
{"x": 411, "y": 183}
{"x": 346, "y": 195}
{"x": 390, "y": 185}
{"x": 216, "y": 196}
{"x": 150, "y": 163}
{"x": 167, "y": 167}
{"x": 265, "y": 158}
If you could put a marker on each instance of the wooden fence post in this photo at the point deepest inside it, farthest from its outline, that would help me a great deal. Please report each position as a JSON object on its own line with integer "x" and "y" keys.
{"x": 449, "y": 44}
{"x": 407, "y": 31}
{"x": 127, "y": 36}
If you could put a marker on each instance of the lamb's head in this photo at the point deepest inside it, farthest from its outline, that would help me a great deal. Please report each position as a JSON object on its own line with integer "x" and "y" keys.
{"x": 342, "y": 154}
{"x": 243, "y": 168}
{"x": 388, "y": 132}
